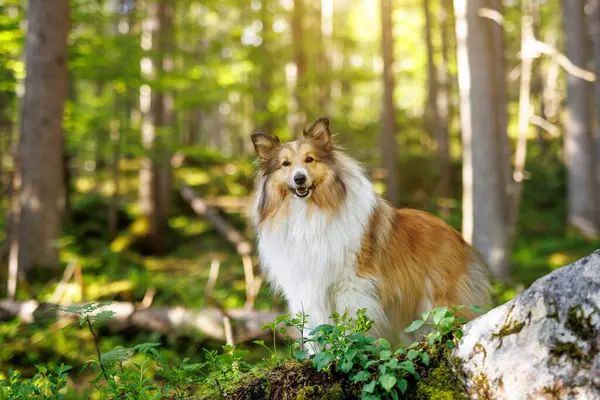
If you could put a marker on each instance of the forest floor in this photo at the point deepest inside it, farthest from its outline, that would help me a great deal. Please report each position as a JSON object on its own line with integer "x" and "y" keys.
{"x": 121, "y": 270}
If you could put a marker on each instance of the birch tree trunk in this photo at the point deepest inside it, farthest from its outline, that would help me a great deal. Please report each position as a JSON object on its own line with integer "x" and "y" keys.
{"x": 483, "y": 190}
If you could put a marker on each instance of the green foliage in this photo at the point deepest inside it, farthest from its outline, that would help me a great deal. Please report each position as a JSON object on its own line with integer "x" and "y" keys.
{"x": 44, "y": 385}
{"x": 142, "y": 371}
{"x": 381, "y": 371}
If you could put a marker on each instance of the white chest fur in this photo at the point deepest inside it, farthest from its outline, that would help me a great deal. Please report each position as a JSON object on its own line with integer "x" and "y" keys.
{"x": 310, "y": 256}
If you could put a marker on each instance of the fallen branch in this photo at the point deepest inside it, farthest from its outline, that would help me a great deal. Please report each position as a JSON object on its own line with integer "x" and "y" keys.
{"x": 233, "y": 236}
{"x": 209, "y": 322}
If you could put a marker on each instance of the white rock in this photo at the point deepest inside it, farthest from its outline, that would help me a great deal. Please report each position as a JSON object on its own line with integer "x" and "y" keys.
{"x": 543, "y": 344}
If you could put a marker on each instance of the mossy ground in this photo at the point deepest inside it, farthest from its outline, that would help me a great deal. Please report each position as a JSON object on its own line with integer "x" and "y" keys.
{"x": 300, "y": 381}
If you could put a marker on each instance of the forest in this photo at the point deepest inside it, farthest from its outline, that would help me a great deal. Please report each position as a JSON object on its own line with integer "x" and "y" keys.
{"x": 128, "y": 265}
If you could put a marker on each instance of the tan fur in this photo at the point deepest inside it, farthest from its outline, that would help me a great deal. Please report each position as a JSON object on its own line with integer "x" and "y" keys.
{"x": 403, "y": 248}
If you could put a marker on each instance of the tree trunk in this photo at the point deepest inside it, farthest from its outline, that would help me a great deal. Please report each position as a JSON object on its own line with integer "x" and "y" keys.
{"x": 594, "y": 26}
{"x": 300, "y": 88}
{"x": 579, "y": 145}
{"x": 41, "y": 147}
{"x": 436, "y": 119}
{"x": 389, "y": 147}
{"x": 264, "y": 120}
{"x": 483, "y": 194}
{"x": 443, "y": 102}
{"x": 155, "y": 171}
{"x": 323, "y": 88}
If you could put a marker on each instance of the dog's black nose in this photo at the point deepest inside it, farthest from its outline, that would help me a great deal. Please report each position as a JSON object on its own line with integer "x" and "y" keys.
{"x": 300, "y": 179}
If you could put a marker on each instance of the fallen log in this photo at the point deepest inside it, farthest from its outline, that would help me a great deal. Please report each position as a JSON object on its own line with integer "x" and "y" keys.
{"x": 210, "y": 322}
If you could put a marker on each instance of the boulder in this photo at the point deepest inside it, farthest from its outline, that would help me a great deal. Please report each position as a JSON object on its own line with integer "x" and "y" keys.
{"x": 545, "y": 343}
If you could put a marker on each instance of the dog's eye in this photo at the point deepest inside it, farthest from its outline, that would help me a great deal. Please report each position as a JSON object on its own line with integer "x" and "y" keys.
{"x": 286, "y": 163}
{"x": 309, "y": 160}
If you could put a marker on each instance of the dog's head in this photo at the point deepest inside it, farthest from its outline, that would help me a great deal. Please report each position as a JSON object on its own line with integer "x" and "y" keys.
{"x": 305, "y": 169}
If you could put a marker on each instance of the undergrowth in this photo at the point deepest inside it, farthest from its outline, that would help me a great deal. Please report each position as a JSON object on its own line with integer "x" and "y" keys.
{"x": 373, "y": 369}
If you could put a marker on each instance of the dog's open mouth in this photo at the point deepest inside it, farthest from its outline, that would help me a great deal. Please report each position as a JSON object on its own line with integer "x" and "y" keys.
{"x": 302, "y": 191}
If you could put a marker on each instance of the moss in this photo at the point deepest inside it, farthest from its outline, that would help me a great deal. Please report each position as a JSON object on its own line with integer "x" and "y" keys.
{"x": 335, "y": 392}
{"x": 481, "y": 386}
{"x": 441, "y": 381}
{"x": 554, "y": 314}
{"x": 579, "y": 324}
{"x": 570, "y": 350}
{"x": 581, "y": 327}
{"x": 296, "y": 380}
{"x": 510, "y": 328}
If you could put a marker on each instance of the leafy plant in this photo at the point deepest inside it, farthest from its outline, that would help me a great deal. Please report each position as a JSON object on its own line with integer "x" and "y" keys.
{"x": 345, "y": 347}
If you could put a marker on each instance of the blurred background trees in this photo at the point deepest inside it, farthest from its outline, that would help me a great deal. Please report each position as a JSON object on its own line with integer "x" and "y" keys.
{"x": 482, "y": 111}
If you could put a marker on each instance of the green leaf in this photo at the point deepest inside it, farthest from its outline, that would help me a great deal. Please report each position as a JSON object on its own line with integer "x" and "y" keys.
{"x": 458, "y": 334}
{"x": 41, "y": 369}
{"x": 346, "y": 366}
{"x": 450, "y": 344}
{"x": 438, "y": 314}
{"x": 322, "y": 360}
{"x": 350, "y": 354}
{"x": 369, "y": 387}
{"x": 414, "y": 326}
{"x": 385, "y": 354}
{"x": 402, "y": 385}
{"x": 387, "y": 382}
{"x": 412, "y": 354}
{"x": 434, "y": 336}
{"x": 301, "y": 355}
{"x": 425, "y": 358}
{"x": 408, "y": 366}
{"x": 384, "y": 344}
{"x": 106, "y": 314}
{"x": 361, "y": 376}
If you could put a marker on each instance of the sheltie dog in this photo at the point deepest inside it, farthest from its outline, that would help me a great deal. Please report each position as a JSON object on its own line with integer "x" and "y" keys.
{"x": 330, "y": 244}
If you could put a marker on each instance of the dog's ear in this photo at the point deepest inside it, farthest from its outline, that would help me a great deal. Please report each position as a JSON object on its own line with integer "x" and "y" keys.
{"x": 264, "y": 144}
{"x": 319, "y": 132}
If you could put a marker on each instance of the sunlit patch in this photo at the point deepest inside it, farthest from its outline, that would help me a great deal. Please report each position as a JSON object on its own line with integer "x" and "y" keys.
{"x": 97, "y": 290}
{"x": 558, "y": 259}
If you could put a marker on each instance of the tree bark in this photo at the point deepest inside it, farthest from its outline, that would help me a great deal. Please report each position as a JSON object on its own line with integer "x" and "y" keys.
{"x": 579, "y": 144}
{"x": 483, "y": 194}
{"x": 437, "y": 99}
{"x": 323, "y": 89}
{"x": 41, "y": 146}
{"x": 155, "y": 171}
{"x": 264, "y": 119}
{"x": 388, "y": 144}
{"x": 300, "y": 89}
{"x": 594, "y": 26}
{"x": 443, "y": 101}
